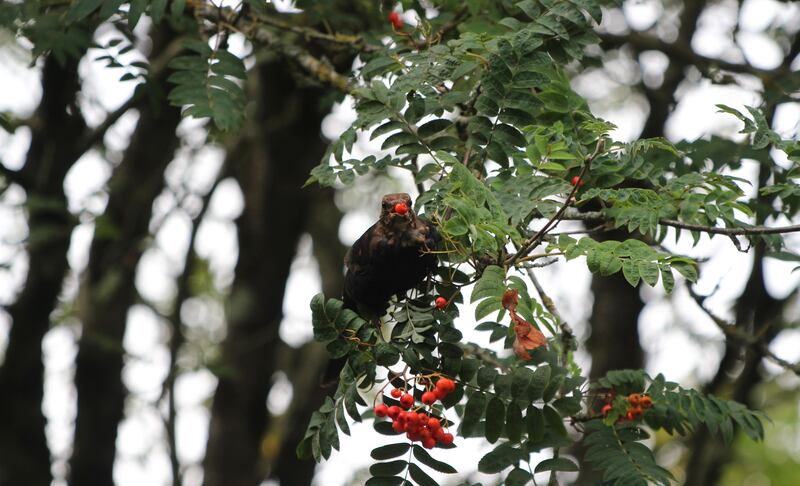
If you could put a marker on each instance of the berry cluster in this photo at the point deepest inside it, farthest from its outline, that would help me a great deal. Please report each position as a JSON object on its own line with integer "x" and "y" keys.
{"x": 419, "y": 426}
{"x": 635, "y": 405}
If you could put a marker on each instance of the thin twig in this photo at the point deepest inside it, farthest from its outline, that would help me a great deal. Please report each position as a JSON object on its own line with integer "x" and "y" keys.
{"x": 534, "y": 240}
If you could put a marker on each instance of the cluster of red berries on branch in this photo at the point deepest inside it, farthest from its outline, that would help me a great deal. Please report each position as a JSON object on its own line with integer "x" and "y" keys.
{"x": 418, "y": 425}
{"x": 635, "y": 405}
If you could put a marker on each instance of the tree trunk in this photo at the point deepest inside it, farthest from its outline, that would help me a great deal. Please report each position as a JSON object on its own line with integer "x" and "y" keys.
{"x": 108, "y": 286}
{"x": 312, "y": 360}
{"x": 284, "y": 144}
{"x": 24, "y": 455}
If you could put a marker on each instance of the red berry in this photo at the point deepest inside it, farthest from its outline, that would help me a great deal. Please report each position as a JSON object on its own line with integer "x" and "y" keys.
{"x": 381, "y": 410}
{"x": 577, "y": 181}
{"x": 446, "y": 385}
{"x": 429, "y": 398}
{"x": 396, "y": 393}
{"x": 395, "y": 19}
{"x": 406, "y": 400}
{"x": 434, "y": 423}
{"x": 400, "y": 208}
{"x": 606, "y": 409}
{"x": 398, "y": 426}
{"x": 440, "y": 303}
{"x": 630, "y": 415}
{"x": 429, "y": 443}
{"x": 447, "y": 438}
{"x": 646, "y": 402}
{"x": 634, "y": 399}
{"x": 438, "y": 434}
{"x": 394, "y": 411}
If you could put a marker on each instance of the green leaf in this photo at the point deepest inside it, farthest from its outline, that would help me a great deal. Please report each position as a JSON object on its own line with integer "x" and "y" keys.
{"x": 556, "y": 464}
{"x": 420, "y": 476}
{"x": 514, "y": 422}
{"x": 433, "y": 127}
{"x": 388, "y": 468}
{"x": 473, "y": 411}
{"x": 81, "y": 9}
{"x": 389, "y": 451}
{"x": 422, "y": 456}
{"x": 502, "y": 457}
{"x": 495, "y": 419}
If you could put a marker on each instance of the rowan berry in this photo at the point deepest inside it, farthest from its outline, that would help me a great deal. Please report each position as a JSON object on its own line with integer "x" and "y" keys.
{"x": 395, "y": 19}
{"x": 446, "y": 385}
{"x": 447, "y": 438}
{"x": 428, "y": 398}
{"x": 406, "y": 400}
{"x": 606, "y": 409}
{"x": 396, "y": 393}
{"x": 381, "y": 410}
{"x": 394, "y": 411}
{"x": 634, "y": 399}
{"x": 400, "y": 208}
{"x": 577, "y": 181}
{"x": 440, "y": 303}
{"x": 434, "y": 423}
{"x": 646, "y": 402}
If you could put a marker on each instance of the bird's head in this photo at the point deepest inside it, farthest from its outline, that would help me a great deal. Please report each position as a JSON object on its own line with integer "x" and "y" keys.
{"x": 396, "y": 211}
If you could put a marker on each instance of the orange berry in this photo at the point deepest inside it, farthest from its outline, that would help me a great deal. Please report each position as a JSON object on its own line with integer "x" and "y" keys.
{"x": 646, "y": 402}
{"x": 634, "y": 399}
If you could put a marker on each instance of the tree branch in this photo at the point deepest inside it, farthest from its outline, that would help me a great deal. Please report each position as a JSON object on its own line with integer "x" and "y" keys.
{"x": 573, "y": 215}
{"x": 534, "y": 240}
{"x": 683, "y": 54}
{"x": 730, "y": 331}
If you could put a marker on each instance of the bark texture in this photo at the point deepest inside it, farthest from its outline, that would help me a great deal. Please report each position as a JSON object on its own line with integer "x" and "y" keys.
{"x": 24, "y": 455}
{"x": 284, "y": 143}
{"x": 108, "y": 285}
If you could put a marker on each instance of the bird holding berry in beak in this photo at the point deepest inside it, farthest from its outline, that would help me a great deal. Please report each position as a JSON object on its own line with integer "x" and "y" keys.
{"x": 391, "y": 257}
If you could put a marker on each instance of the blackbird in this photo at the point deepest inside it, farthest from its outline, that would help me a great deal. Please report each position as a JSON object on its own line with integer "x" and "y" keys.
{"x": 391, "y": 257}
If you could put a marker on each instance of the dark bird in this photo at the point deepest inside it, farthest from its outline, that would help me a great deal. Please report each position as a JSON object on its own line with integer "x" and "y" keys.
{"x": 391, "y": 257}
